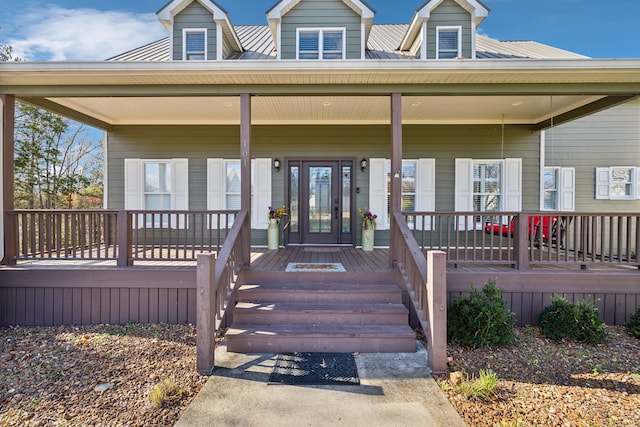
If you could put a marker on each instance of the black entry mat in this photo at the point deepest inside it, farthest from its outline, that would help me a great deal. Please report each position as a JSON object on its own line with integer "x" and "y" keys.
{"x": 315, "y": 369}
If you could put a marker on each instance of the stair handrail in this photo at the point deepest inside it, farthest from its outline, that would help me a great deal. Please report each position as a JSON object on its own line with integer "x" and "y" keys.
{"x": 426, "y": 284}
{"x": 215, "y": 280}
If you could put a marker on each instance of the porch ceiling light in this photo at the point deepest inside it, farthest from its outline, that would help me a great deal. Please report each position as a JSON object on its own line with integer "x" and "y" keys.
{"x": 276, "y": 164}
{"x": 363, "y": 164}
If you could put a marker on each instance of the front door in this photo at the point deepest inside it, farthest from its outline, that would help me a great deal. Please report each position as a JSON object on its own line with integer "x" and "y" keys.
{"x": 320, "y": 193}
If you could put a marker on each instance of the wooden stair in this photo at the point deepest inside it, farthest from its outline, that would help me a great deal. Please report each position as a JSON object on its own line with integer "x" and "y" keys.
{"x": 320, "y": 312}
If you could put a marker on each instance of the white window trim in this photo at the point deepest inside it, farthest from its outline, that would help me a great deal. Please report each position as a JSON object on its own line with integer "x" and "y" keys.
{"x": 379, "y": 194}
{"x": 510, "y": 191}
{"x": 449, "y": 28}
{"x": 134, "y": 187}
{"x": 320, "y": 31}
{"x": 604, "y": 183}
{"x": 260, "y": 188}
{"x": 186, "y": 31}
{"x": 565, "y": 188}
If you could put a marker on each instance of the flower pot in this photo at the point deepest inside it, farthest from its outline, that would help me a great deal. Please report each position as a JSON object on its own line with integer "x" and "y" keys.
{"x": 367, "y": 238}
{"x": 272, "y": 234}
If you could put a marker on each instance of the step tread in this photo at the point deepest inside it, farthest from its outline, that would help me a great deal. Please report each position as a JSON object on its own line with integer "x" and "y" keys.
{"x": 300, "y": 330}
{"x": 266, "y": 307}
{"x": 306, "y": 287}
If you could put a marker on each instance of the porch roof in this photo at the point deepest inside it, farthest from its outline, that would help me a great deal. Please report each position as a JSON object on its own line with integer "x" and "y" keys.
{"x": 513, "y": 91}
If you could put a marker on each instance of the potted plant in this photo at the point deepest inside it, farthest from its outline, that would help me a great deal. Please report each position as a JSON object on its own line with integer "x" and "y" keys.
{"x": 274, "y": 215}
{"x": 368, "y": 228}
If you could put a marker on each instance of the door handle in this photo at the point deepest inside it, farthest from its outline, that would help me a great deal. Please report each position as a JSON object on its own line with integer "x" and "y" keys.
{"x": 336, "y": 212}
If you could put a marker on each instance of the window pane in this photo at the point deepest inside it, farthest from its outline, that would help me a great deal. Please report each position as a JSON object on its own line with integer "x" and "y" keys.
{"x": 320, "y": 199}
{"x": 448, "y": 40}
{"x": 309, "y": 45}
{"x": 294, "y": 207}
{"x": 195, "y": 42}
{"x": 621, "y": 182}
{"x": 233, "y": 202}
{"x": 550, "y": 200}
{"x": 346, "y": 199}
{"x": 408, "y": 177}
{"x": 332, "y": 45}
{"x": 550, "y": 179}
{"x": 233, "y": 178}
{"x": 157, "y": 177}
{"x": 408, "y": 202}
{"x": 448, "y": 44}
{"x": 157, "y": 201}
{"x": 487, "y": 185}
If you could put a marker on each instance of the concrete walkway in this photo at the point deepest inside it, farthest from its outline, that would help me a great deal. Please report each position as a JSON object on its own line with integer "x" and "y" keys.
{"x": 395, "y": 390}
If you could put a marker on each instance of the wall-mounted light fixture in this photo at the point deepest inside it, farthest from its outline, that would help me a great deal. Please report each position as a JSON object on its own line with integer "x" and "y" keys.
{"x": 363, "y": 164}
{"x": 276, "y": 164}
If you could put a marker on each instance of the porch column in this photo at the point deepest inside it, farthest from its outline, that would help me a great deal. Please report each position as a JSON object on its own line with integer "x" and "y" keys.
{"x": 245, "y": 170}
{"x": 7, "y": 126}
{"x": 396, "y": 168}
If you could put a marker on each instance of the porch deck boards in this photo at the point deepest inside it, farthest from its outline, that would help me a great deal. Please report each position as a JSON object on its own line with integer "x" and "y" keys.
{"x": 352, "y": 259}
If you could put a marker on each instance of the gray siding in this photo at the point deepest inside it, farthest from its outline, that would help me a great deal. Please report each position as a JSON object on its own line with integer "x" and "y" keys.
{"x": 321, "y": 13}
{"x": 444, "y": 143}
{"x": 194, "y": 16}
{"x": 607, "y": 138}
{"x": 449, "y": 13}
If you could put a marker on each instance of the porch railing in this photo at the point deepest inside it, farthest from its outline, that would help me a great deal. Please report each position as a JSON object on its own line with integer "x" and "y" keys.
{"x": 425, "y": 280}
{"x": 216, "y": 278}
{"x": 64, "y": 234}
{"x": 525, "y": 239}
{"x": 122, "y": 236}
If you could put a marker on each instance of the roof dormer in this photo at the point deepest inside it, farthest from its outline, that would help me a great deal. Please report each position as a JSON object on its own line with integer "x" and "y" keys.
{"x": 198, "y": 30}
{"x": 445, "y": 29}
{"x": 327, "y": 29}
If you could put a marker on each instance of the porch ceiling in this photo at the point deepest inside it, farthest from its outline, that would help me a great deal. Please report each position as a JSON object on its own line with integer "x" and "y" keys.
{"x": 527, "y": 92}
{"x": 275, "y": 110}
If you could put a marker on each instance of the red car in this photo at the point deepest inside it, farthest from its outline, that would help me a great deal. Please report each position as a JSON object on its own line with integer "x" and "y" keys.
{"x": 535, "y": 222}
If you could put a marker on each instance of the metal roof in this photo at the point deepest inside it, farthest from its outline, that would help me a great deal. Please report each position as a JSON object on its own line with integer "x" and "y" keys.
{"x": 383, "y": 43}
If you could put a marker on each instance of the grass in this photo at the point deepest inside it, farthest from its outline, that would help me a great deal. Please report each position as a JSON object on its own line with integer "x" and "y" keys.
{"x": 481, "y": 387}
{"x": 164, "y": 392}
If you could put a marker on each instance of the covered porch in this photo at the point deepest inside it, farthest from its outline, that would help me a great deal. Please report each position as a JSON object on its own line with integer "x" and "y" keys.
{"x": 434, "y": 255}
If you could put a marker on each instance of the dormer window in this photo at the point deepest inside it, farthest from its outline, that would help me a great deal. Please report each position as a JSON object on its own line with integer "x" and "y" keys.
{"x": 195, "y": 45}
{"x": 449, "y": 42}
{"x": 320, "y": 43}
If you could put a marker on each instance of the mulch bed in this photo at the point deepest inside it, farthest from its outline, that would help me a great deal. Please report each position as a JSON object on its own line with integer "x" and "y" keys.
{"x": 549, "y": 383}
{"x": 48, "y": 376}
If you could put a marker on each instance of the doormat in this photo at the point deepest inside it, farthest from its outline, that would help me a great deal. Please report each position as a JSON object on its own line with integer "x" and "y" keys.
{"x": 315, "y": 266}
{"x": 326, "y": 250}
{"x": 315, "y": 369}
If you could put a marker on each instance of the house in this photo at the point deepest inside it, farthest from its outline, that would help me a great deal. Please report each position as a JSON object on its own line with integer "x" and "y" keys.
{"x": 434, "y": 127}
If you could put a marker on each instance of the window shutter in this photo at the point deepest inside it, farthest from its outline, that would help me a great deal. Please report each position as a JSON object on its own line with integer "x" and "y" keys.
{"x": 378, "y": 191}
{"x": 215, "y": 184}
{"x": 464, "y": 192}
{"x": 513, "y": 185}
{"x": 133, "y": 191}
{"x": 262, "y": 193}
{"x": 567, "y": 188}
{"x": 637, "y": 172}
{"x": 180, "y": 191}
{"x": 425, "y": 190}
{"x": 602, "y": 183}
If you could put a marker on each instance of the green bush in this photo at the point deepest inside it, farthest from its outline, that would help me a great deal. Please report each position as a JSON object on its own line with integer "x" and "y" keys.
{"x": 579, "y": 321}
{"x": 633, "y": 326}
{"x": 481, "y": 319}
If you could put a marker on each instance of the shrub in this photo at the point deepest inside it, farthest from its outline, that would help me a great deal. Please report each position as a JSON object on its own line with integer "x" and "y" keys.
{"x": 164, "y": 392}
{"x": 482, "y": 387}
{"x": 633, "y": 326}
{"x": 481, "y": 319}
{"x": 579, "y": 321}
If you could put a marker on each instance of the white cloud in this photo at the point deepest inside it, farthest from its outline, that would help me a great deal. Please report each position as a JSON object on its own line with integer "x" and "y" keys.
{"x": 58, "y": 34}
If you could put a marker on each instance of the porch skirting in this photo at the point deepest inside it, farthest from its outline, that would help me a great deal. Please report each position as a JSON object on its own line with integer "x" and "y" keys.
{"x": 65, "y": 296}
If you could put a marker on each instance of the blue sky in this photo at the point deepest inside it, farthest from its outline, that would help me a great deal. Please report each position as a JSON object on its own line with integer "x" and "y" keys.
{"x": 77, "y": 30}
